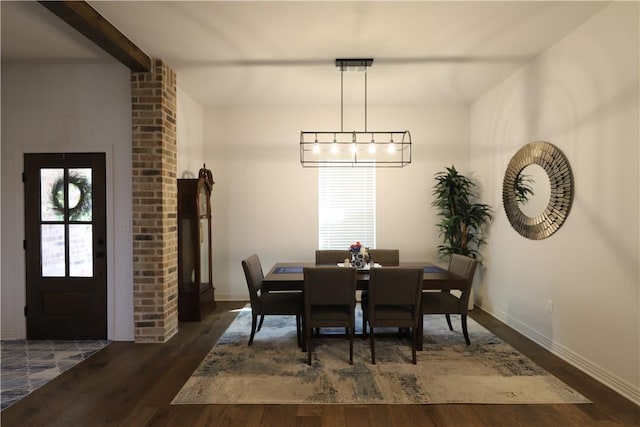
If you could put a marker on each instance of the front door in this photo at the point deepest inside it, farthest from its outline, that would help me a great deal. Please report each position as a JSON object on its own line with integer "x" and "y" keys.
{"x": 65, "y": 245}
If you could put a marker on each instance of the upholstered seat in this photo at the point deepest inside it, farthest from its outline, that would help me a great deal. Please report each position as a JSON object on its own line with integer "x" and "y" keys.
{"x": 270, "y": 303}
{"x": 329, "y": 301}
{"x": 447, "y": 303}
{"x": 393, "y": 301}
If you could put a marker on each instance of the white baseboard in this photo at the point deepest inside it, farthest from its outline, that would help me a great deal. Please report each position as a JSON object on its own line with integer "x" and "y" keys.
{"x": 124, "y": 336}
{"x": 612, "y": 381}
{"x": 8, "y": 335}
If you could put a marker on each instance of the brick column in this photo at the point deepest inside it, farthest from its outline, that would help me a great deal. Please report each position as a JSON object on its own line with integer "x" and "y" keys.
{"x": 154, "y": 153}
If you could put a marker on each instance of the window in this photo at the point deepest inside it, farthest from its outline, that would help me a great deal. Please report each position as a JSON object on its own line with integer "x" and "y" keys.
{"x": 347, "y": 207}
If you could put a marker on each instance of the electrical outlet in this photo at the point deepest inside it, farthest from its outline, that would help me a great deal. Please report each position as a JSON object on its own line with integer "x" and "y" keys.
{"x": 550, "y": 306}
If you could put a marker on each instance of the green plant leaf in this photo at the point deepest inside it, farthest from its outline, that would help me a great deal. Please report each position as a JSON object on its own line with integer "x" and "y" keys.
{"x": 462, "y": 221}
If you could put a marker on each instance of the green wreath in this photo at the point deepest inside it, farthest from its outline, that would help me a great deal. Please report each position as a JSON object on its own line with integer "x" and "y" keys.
{"x": 82, "y": 207}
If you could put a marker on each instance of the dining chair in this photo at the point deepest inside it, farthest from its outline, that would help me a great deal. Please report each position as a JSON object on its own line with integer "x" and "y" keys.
{"x": 386, "y": 258}
{"x": 394, "y": 301}
{"x": 329, "y": 301}
{"x": 270, "y": 303}
{"x": 444, "y": 302}
{"x": 331, "y": 256}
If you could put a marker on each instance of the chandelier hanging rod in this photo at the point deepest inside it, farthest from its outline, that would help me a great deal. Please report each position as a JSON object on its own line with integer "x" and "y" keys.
{"x": 353, "y": 64}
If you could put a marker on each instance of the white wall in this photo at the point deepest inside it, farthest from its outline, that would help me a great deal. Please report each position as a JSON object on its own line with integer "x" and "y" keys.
{"x": 189, "y": 135}
{"x": 582, "y": 96}
{"x": 265, "y": 202}
{"x": 53, "y": 108}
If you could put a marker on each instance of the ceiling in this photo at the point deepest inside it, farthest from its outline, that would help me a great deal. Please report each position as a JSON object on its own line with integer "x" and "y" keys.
{"x": 283, "y": 53}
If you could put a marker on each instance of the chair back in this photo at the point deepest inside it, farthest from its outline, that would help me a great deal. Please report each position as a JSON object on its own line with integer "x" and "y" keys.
{"x": 385, "y": 257}
{"x": 395, "y": 286}
{"x": 466, "y": 267}
{"x": 254, "y": 275}
{"x": 394, "y": 300}
{"x": 331, "y": 256}
{"x": 330, "y": 286}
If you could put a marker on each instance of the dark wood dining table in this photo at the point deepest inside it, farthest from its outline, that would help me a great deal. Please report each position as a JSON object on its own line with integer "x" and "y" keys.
{"x": 288, "y": 276}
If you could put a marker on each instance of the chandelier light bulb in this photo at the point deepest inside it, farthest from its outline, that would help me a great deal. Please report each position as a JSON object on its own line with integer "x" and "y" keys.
{"x": 392, "y": 147}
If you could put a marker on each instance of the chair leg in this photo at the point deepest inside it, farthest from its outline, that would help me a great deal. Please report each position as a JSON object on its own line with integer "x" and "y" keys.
{"x": 364, "y": 326}
{"x": 373, "y": 345}
{"x": 303, "y": 334}
{"x": 449, "y": 321}
{"x": 413, "y": 345}
{"x": 364, "y": 306}
{"x": 351, "y": 344}
{"x": 254, "y": 319}
{"x": 419, "y": 333}
{"x": 309, "y": 345}
{"x": 463, "y": 317}
{"x": 261, "y": 320}
{"x": 298, "y": 332}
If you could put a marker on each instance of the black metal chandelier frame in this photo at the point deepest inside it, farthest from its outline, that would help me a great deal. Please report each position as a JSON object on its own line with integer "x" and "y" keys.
{"x": 355, "y": 148}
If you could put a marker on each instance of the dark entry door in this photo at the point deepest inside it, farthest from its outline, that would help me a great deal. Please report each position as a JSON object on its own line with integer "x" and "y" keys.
{"x": 65, "y": 245}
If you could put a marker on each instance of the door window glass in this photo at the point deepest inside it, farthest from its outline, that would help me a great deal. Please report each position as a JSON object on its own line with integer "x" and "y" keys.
{"x": 80, "y": 250}
{"x": 80, "y": 194}
{"x": 66, "y": 213}
{"x": 52, "y": 246}
{"x": 52, "y": 194}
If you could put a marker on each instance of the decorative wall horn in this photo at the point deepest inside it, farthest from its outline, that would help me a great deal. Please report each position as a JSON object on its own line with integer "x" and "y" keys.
{"x": 555, "y": 164}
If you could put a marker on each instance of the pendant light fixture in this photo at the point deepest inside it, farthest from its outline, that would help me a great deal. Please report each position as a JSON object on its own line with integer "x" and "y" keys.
{"x": 355, "y": 148}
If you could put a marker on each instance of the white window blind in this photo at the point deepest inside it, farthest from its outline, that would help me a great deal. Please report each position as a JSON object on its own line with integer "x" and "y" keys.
{"x": 347, "y": 203}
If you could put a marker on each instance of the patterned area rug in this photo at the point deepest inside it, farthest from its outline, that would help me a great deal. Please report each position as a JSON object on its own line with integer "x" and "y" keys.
{"x": 28, "y": 365}
{"x": 274, "y": 370}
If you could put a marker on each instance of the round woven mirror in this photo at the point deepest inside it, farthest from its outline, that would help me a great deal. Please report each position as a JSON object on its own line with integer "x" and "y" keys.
{"x": 518, "y": 187}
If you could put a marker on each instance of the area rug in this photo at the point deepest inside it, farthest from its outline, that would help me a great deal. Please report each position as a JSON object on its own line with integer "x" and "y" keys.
{"x": 29, "y": 364}
{"x": 274, "y": 370}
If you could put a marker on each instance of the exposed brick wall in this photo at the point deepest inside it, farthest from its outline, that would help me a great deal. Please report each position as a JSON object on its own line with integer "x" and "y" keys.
{"x": 154, "y": 158}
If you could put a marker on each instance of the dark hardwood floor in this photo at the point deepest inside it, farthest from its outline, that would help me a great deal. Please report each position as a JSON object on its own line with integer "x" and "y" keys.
{"x": 129, "y": 384}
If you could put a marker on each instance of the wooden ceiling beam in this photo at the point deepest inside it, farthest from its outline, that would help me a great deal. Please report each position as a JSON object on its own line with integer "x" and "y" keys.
{"x": 84, "y": 18}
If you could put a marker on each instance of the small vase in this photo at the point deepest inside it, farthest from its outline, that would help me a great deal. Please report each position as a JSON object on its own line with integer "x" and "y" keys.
{"x": 359, "y": 260}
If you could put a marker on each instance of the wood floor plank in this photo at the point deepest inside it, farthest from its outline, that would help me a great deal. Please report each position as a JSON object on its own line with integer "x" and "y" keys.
{"x": 280, "y": 416}
{"x": 333, "y": 416}
{"x": 132, "y": 385}
{"x": 255, "y": 416}
{"x": 408, "y": 415}
{"x": 382, "y": 415}
{"x": 358, "y": 416}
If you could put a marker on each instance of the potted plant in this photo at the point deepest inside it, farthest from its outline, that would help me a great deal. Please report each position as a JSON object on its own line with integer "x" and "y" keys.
{"x": 462, "y": 219}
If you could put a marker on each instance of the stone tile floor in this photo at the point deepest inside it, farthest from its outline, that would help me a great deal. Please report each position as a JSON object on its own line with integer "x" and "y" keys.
{"x": 26, "y": 365}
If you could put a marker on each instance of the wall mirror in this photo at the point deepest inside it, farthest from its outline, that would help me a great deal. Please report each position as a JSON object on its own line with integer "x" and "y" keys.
{"x": 537, "y": 191}
{"x": 537, "y": 200}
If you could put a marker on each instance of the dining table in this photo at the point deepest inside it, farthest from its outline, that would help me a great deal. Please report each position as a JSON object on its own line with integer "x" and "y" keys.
{"x": 289, "y": 276}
